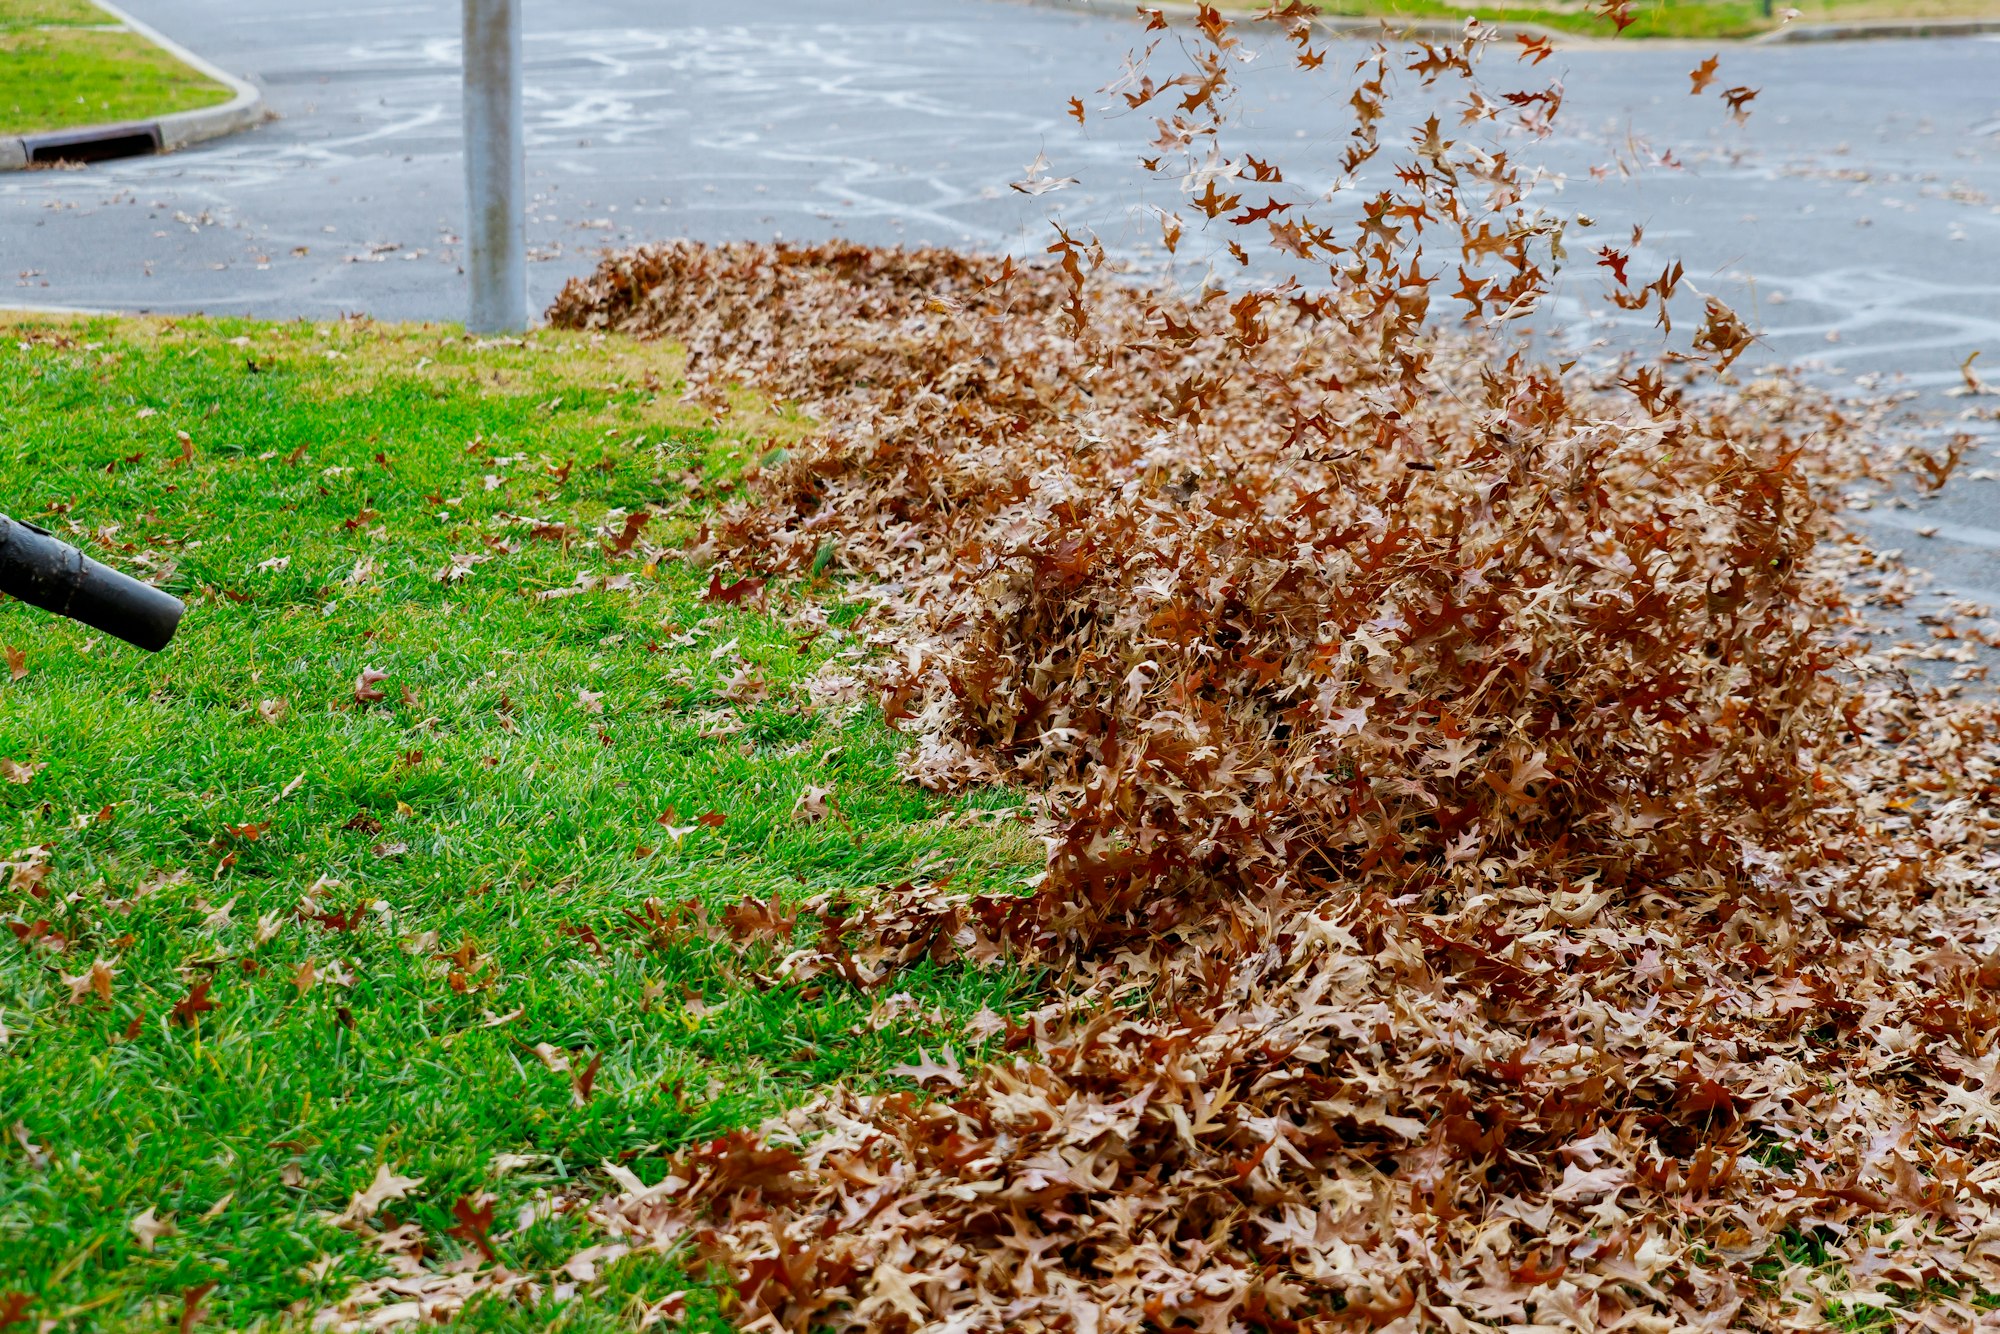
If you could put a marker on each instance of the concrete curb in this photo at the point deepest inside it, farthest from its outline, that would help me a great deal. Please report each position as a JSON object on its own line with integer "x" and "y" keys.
{"x": 166, "y": 133}
{"x": 1175, "y": 11}
{"x": 1861, "y": 30}
{"x": 9, "y": 311}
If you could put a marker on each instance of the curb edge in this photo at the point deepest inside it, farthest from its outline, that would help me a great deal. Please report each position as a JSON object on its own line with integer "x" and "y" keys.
{"x": 1336, "y": 25}
{"x": 1859, "y": 30}
{"x": 177, "y": 129}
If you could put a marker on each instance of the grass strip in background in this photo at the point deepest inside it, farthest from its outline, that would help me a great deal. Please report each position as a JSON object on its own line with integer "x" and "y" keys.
{"x": 1693, "y": 19}
{"x": 63, "y": 64}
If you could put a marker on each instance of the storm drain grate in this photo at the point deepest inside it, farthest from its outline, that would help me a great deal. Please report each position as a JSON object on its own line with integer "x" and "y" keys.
{"x": 99, "y": 143}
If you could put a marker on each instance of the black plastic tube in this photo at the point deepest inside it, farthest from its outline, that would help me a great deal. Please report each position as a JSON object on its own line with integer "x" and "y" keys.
{"x": 44, "y": 571}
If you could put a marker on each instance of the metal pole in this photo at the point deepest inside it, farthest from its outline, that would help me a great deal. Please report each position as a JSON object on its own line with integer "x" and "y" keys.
{"x": 496, "y": 177}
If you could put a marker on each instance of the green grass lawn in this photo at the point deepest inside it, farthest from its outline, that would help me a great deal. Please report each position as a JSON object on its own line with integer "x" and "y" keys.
{"x": 18, "y": 14}
{"x": 404, "y": 911}
{"x": 1659, "y": 18}
{"x": 58, "y": 70}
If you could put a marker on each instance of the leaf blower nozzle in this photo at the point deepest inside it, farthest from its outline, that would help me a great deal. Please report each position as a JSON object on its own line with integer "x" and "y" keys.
{"x": 39, "y": 568}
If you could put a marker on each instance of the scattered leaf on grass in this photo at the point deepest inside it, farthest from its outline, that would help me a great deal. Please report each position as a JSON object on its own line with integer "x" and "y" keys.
{"x": 149, "y": 1228}
{"x": 366, "y": 1202}
{"x": 189, "y": 1008}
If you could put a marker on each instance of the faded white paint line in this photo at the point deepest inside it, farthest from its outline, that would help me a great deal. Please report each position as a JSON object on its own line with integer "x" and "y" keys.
{"x": 1906, "y": 521}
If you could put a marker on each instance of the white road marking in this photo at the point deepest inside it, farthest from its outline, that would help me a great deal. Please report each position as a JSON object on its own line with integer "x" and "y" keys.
{"x": 1970, "y": 535}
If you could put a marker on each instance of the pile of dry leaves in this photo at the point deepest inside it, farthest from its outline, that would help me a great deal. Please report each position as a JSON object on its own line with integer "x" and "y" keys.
{"x": 1487, "y": 889}
{"x": 1503, "y": 904}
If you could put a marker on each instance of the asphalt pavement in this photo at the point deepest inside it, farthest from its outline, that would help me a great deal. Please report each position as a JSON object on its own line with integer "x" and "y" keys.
{"x": 1855, "y": 219}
